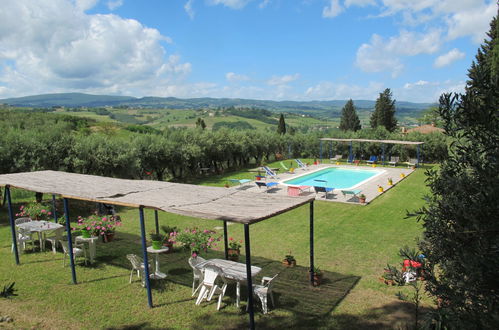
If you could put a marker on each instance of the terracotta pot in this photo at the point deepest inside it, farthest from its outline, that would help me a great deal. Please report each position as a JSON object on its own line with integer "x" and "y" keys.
{"x": 107, "y": 237}
{"x": 317, "y": 279}
{"x": 233, "y": 254}
{"x": 289, "y": 263}
{"x": 362, "y": 200}
{"x": 169, "y": 245}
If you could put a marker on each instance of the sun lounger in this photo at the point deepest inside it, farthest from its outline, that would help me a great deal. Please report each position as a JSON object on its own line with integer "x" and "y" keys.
{"x": 325, "y": 190}
{"x": 351, "y": 192}
{"x": 240, "y": 181}
{"x": 335, "y": 158}
{"x": 393, "y": 161}
{"x": 372, "y": 160}
{"x": 300, "y": 163}
{"x": 270, "y": 173}
{"x": 267, "y": 185}
{"x": 297, "y": 190}
{"x": 288, "y": 170}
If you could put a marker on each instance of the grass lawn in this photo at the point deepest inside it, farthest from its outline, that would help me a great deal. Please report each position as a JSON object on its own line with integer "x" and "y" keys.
{"x": 352, "y": 245}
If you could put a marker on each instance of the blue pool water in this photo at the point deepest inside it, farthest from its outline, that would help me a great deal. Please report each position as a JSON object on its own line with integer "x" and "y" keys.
{"x": 338, "y": 178}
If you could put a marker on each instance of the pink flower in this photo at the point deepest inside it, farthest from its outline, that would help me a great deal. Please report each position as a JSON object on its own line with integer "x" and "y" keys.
{"x": 194, "y": 254}
{"x": 231, "y": 239}
{"x": 98, "y": 227}
{"x": 49, "y": 213}
{"x": 22, "y": 207}
{"x": 104, "y": 219}
{"x": 43, "y": 211}
{"x": 88, "y": 228}
{"x": 102, "y": 233}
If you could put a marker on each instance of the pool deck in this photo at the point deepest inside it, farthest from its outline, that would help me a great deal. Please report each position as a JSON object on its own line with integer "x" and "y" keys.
{"x": 369, "y": 188}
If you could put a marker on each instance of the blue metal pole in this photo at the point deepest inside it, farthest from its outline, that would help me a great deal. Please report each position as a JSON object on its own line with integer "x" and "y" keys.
{"x": 289, "y": 151}
{"x": 54, "y": 209}
{"x": 350, "y": 152}
{"x": 70, "y": 241}
{"x": 383, "y": 156}
{"x": 156, "y": 221}
{"x": 320, "y": 153}
{"x": 12, "y": 224}
{"x": 312, "y": 243}
{"x": 248, "y": 276}
{"x": 146, "y": 259}
{"x": 417, "y": 155}
{"x": 226, "y": 242}
{"x": 331, "y": 150}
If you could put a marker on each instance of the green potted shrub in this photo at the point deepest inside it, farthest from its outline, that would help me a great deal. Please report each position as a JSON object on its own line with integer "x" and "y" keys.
{"x": 362, "y": 198}
{"x": 234, "y": 249}
{"x": 317, "y": 276}
{"x": 157, "y": 240}
{"x": 170, "y": 233}
{"x": 289, "y": 260}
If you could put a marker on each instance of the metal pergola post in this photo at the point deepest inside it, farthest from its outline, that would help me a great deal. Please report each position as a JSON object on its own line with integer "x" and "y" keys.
{"x": 289, "y": 151}
{"x": 12, "y": 224}
{"x": 417, "y": 155}
{"x": 226, "y": 242}
{"x": 70, "y": 241}
{"x": 320, "y": 152}
{"x": 312, "y": 243}
{"x": 54, "y": 208}
{"x": 350, "y": 152}
{"x": 146, "y": 259}
{"x": 248, "y": 276}
{"x": 156, "y": 221}
{"x": 383, "y": 154}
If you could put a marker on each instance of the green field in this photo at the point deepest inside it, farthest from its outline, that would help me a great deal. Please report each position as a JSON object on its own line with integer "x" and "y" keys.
{"x": 352, "y": 245}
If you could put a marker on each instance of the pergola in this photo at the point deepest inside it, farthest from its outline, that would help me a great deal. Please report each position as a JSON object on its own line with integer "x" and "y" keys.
{"x": 383, "y": 142}
{"x": 227, "y": 205}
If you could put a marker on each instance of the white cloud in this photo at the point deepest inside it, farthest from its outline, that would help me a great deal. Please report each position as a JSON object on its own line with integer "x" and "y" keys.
{"x": 427, "y": 91}
{"x": 333, "y": 10}
{"x": 55, "y": 46}
{"x": 360, "y": 3}
{"x": 263, "y": 4}
{"x": 188, "y": 9}
{"x": 446, "y": 59}
{"x": 474, "y": 22}
{"x": 85, "y": 4}
{"x": 233, "y": 4}
{"x": 281, "y": 80}
{"x": 336, "y": 91}
{"x": 114, "y": 4}
{"x": 384, "y": 55}
{"x": 417, "y": 83}
{"x": 232, "y": 77}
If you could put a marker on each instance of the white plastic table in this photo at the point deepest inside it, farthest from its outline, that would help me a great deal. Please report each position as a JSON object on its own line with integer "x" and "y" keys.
{"x": 232, "y": 270}
{"x": 157, "y": 275}
{"x": 40, "y": 227}
{"x": 91, "y": 245}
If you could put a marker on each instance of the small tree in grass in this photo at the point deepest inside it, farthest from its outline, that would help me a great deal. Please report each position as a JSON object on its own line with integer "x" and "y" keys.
{"x": 349, "y": 119}
{"x": 281, "y": 128}
{"x": 461, "y": 220}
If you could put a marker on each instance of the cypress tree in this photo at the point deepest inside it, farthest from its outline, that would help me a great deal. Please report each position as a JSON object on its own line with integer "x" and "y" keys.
{"x": 281, "y": 128}
{"x": 461, "y": 223}
{"x": 384, "y": 112}
{"x": 349, "y": 119}
{"x": 200, "y": 123}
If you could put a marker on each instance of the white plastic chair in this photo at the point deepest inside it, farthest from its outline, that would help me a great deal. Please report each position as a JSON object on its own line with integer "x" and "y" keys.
{"x": 137, "y": 266}
{"x": 198, "y": 274}
{"x": 54, "y": 239}
{"x": 78, "y": 251}
{"x": 209, "y": 288}
{"x": 23, "y": 237}
{"x": 18, "y": 221}
{"x": 261, "y": 291}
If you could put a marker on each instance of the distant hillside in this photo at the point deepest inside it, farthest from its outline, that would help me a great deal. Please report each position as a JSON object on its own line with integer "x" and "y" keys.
{"x": 87, "y": 100}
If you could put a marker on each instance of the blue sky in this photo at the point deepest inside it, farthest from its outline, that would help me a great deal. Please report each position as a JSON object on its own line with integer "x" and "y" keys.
{"x": 262, "y": 49}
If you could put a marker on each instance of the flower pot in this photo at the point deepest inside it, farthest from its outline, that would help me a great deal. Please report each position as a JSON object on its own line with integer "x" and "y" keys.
{"x": 107, "y": 237}
{"x": 233, "y": 254}
{"x": 390, "y": 182}
{"x": 85, "y": 233}
{"x": 317, "y": 279}
{"x": 362, "y": 200}
{"x": 156, "y": 245}
{"x": 380, "y": 189}
{"x": 402, "y": 175}
{"x": 287, "y": 263}
{"x": 169, "y": 245}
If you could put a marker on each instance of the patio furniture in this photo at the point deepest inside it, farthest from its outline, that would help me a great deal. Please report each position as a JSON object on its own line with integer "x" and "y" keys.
{"x": 297, "y": 190}
{"x": 393, "y": 160}
{"x": 264, "y": 290}
{"x": 270, "y": 173}
{"x": 92, "y": 242}
{"x": 40, "y": 227}
{"x": 267, "y": 185}
{"x": 321, "y": 186}
{"x": 157, "y": 275}
{"x": 78, "y": 251}
{"x": 209, "y": 288}
{"x": 197, "y": 274}
{"x": 54, "y": 239}
{"x": 240, "y": 181}
{"x": 231, "y": 270}
{"x": 23, "y": 237}
{"x": 300, "y": 163}
{"x": 18, "y": 221}
{"x": 354, "y": 193}
{"x": 288, "y": 170}
{"x": 137, "y": 266}
{"x": 412, "y": 162}
{"x": 372, "y": 160}
{"x": 335, "y": 158}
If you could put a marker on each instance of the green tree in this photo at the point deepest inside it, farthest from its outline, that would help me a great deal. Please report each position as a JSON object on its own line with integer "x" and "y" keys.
{"x": 431, "y": 116}
{"x": 384, "y": 112}
{"x": 200, "y": 123}
{"x": 281, "y": 128}
{"x": 349, "y": 119}
{"x": 461, "y": 224}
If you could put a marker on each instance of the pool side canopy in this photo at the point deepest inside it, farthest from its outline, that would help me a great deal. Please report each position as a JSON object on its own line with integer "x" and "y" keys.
{"x": 373, "y": 141}
{"x": 229, "y": 204}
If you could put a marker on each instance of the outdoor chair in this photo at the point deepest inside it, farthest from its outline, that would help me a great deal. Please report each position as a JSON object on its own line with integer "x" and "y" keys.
{"x": 270, "y": 173}
{"x": 335, "y": 158}
{"x": 288, "y": 170}
{"x": 301, "y": 165}
{"x": 18, "y": 221}
{"x": 209, "y": 288}
{"x": 267, "y": 185}
{"x": 137, "y": 266}
{"x": 372, "y": 160}
{"x": 412, "y": 162}
{"x": 54, "y": 239}
{"x": 240, "y": 181}
{"x": 78, "y": 251}
{"x": 23, "y": 237}
{"x": 354, "y": 193}
{"x": 393, "y": 160}
{"x": 197, "y": 274}
{"x": 321, "y": 186}
{"x": 264, "y": 290}
{"x": 350, "y": 159}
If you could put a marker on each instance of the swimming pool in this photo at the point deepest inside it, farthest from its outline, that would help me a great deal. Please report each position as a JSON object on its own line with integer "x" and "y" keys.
{"x": 339, "y": 178}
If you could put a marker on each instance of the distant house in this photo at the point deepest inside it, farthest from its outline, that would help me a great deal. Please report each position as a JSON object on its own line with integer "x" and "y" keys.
{"x": 424, "y": 129}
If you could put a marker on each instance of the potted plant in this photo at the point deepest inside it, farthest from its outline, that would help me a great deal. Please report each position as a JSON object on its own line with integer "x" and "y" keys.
{"x": 362, "y": 198}
{"x": 35, "y": 211}
{"x": 103, "y": 226}
{"x": 380, "y": 188}
{"x": 169, "y": 237}
{"x": 196, "y": 240}
{"x": 234, "y": 249}
{"x": 317, "y": 276}
{"x": 390, "y": 181}
{"x": 157, "y": 240}
{"x": 402, "y": 175}
{"x": 289, "y": 260}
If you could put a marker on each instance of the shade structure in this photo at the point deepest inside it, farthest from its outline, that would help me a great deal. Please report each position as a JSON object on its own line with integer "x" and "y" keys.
{"x": 373, "y": 141}
{"x": 229, "y": 204}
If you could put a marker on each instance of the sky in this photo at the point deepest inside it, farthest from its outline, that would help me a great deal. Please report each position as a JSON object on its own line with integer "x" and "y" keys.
{"x": 260, "y": 49}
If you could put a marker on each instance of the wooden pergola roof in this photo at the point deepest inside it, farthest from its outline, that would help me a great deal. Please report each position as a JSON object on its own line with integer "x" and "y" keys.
{"x": 373, "y": 141}
{"x": 215, "y": 203}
